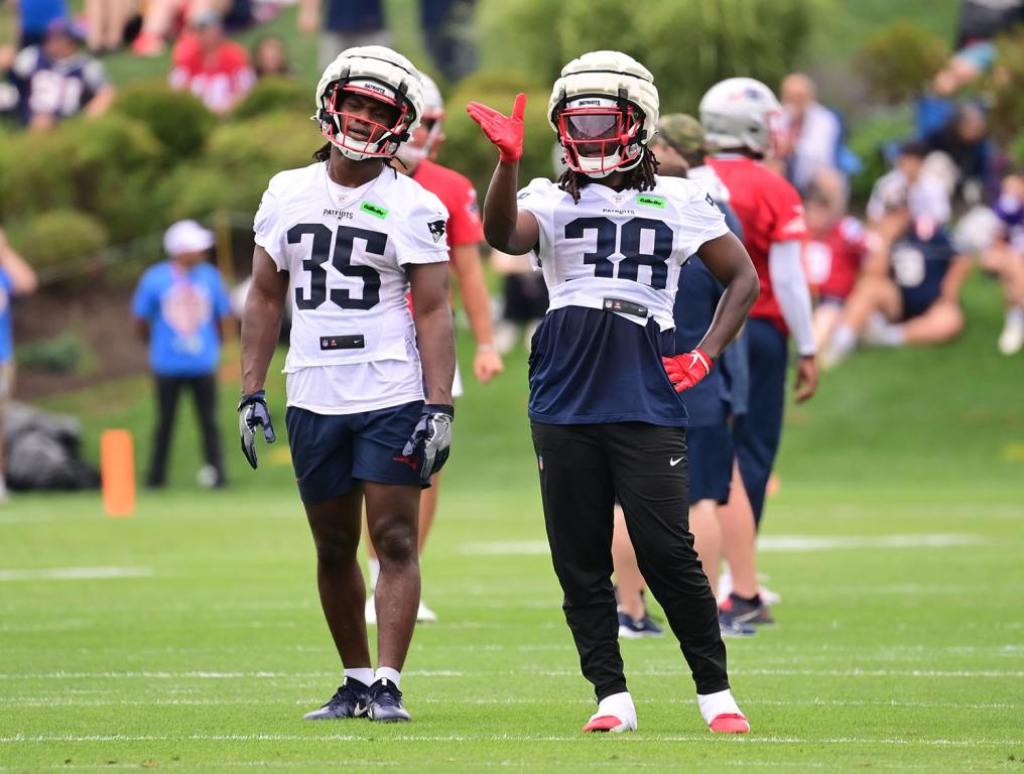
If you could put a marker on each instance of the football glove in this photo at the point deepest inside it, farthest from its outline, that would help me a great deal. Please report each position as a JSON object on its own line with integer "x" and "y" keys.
{"x": 252, "y": 412}
{"x": 427, "y": 447}
{"x": 504, "y": 131}
{"x": 684, "y": 371}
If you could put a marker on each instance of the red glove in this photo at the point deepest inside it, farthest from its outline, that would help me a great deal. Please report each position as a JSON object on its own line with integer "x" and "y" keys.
{"x": 684, "y": 371}
{"x": 504, "y": 131}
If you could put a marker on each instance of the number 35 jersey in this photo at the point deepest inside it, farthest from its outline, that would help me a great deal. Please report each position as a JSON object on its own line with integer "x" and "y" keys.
{"x": 352, "y": 346}
{"x": 611, "y": 263}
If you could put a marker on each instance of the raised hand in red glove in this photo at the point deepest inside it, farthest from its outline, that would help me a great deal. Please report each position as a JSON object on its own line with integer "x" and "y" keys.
{"x": 504, "y": 131}
{"x": 684, "y": 371}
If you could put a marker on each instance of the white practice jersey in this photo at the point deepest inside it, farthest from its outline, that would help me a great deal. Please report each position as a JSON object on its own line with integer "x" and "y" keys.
{"x": 620, "y": 251}
{"x": 353, "y": 343}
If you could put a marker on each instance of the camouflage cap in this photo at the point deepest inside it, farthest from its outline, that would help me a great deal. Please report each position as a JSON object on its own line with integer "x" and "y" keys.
{"x": 683, "y": 132}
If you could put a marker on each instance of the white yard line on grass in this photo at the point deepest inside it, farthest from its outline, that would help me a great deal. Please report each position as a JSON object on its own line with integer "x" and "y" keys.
{"x": 75, "y": 573}
{"x": 674, "y": 672}
{"x": 201, "y": 675}
{"x": 524, "y": 738}
{"x": 772, "y": 543}
{"x": 61, "y": 701}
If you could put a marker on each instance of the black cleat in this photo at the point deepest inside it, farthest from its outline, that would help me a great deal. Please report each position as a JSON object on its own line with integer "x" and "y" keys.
{"x": 349, "y": 701}
{"x": 385, "y": 703}
{"x": 752, "y": 611}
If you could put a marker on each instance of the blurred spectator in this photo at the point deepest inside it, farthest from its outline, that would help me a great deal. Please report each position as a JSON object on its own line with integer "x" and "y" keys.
{"x": 980, "y": 21}
{"x": 209, "y": 65}
{"x": 525, "y": 299}
{"x": 270, "y": 58}
{"x": 910, "y": 186}
{"x": 448, "y": 33}
{"x": 1005, "y": 258}
{"x": 163, "y": 16}
{"x": 106, "y": 21}
{"x": 33, "y": 18}
{"x": 179, "y": 307}
{"x": 909, "y": 292}
{"x": 345, "y": 23}
{"x": 812, "y": 136}
{"x": 16, "y": 279}
{"x": 834, "y": 252}
{"x": 57, "y": 80}
{"x": 964, "y": 140}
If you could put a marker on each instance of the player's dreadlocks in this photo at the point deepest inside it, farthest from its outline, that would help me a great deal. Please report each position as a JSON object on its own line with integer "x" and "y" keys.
{"x": 640, "y": 177}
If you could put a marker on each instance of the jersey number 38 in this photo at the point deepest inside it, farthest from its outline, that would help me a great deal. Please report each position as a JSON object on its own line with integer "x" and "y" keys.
{"x": 627, "y": 239}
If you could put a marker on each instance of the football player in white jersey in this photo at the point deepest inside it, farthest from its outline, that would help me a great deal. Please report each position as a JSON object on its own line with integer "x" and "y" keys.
{"x": 606, "y": 418}
{"x": 369, "y": 382}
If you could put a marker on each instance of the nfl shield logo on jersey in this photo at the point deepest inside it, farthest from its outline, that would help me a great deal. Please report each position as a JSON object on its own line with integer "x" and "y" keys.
{"x": 436, "y": 229}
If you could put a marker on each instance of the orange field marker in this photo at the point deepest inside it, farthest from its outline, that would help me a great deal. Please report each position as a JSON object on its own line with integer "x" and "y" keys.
{"x": 117, "y": 469}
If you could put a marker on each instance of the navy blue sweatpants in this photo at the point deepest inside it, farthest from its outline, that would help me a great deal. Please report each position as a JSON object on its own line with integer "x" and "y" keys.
{"x": 758, "y": 432}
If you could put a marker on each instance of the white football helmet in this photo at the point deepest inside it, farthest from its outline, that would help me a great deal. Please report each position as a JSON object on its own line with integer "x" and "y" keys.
{"x": 604, "y": 109}
{"x": 413, "y": 152}
{"x": 740, "y": 113}
{"x": 379, "y": 73}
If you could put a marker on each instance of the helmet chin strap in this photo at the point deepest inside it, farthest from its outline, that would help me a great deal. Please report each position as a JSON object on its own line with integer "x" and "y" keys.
{"x": 601, "y": 174}
{"x": 411, "y": 156}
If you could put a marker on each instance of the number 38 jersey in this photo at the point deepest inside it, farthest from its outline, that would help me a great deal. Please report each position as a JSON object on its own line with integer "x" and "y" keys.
{"x": 611, "y": 263}
{"x": 353, "y": 345}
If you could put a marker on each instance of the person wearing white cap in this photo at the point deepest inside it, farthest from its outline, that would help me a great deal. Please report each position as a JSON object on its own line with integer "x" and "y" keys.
{"x": 179, "y": 306}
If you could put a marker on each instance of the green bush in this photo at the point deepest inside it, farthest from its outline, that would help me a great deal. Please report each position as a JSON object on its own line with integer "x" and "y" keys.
{"x": 687, "y": 44}
{"x": 272, "y": 95}
{"x": 472, "y": 153}
{"x": 868, "y": 139}
{"x": 240, "y": 160}
{"x": 116, "y": 166}
{"x": 1006, "y": 86}
{"x": 60, "y": 243}
{"x": 62, "y": 354}
{"x": 176, "y": 118}
{"x": 899, "y": 60}
{"x": 36, "y": 173}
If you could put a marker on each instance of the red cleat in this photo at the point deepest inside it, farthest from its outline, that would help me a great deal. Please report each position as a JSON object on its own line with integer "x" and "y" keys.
{"x": 606, "y": 724}
{"x": 729, "y": 723}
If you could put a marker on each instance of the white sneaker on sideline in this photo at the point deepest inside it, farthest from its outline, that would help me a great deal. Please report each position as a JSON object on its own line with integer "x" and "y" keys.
{"x": 425, "y": 615}
{"x": 1011, "y": 340}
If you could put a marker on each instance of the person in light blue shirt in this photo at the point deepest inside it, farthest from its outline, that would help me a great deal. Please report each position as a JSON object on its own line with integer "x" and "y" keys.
{"x": 16, "y": 279}
{"x": 179, "y": 306}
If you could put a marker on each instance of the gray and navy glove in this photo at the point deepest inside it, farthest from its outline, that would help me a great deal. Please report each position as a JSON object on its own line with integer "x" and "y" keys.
{"x": 253, "y": 411}
{"x": 428, "y": 446}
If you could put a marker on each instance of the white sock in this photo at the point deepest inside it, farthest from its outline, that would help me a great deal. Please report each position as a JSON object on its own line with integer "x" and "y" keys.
{"x": 844, "y": 340}
{"x": 714, "y": 704}
{"x": 1015, "y": 315}
{"x": 374, "y": 566}
{"x": 389, "y": 674}
{"x": 362, "y": 674}
{"x": 619, "y": 705}
{"x": 890, "y": 335}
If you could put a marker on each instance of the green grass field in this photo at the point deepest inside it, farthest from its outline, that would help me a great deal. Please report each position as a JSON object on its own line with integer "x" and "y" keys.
{"x": 896, "y": 541}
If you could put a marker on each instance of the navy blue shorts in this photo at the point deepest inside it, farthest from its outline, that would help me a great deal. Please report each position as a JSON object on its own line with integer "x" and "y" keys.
{"x": 330, "y": 452}
{"x": 710, "y": 459}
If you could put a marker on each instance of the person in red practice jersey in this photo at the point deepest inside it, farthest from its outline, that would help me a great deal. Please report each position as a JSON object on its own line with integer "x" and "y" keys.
{"x": 215, "y": 69}
{"x": 834, "y": 252}
{"x": 738, "y": 116}
{"x": 464, "y": 233}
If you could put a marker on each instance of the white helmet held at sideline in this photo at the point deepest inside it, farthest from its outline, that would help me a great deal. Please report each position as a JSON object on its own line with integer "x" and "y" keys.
{"x": 739, "y": 113}
{"x": 424, "y": 143}
{"x": 379, "y": 73}
{"x": 604, "y": 109}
